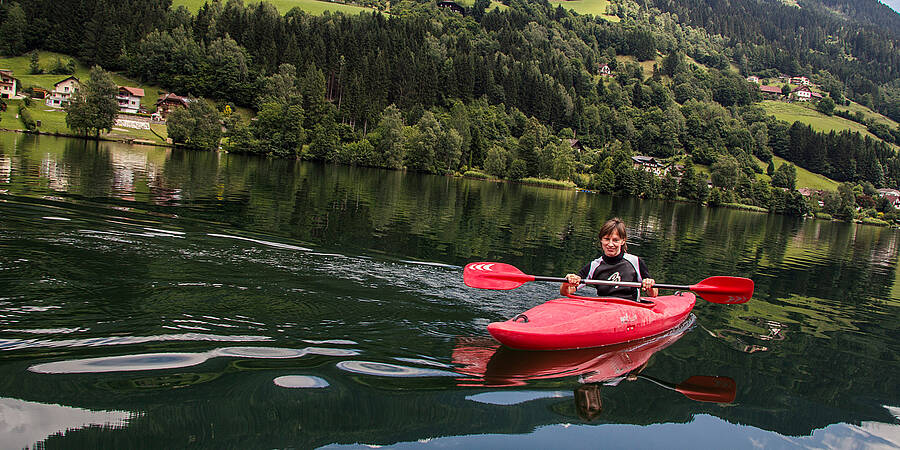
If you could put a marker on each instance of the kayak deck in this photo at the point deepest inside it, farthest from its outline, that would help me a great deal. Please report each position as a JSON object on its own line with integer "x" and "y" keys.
{"x": 584, "y": 322}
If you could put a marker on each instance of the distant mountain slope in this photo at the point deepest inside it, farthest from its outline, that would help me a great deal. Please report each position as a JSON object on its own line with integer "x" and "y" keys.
{"x": 866, "y": 12}
{"x": 857, "y": 42}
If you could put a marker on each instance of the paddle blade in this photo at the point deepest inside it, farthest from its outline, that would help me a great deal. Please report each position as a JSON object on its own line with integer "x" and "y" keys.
{"x": 728, "y": 290}
{"x": 490, "y": 275}
{"x": 708, "y": 389}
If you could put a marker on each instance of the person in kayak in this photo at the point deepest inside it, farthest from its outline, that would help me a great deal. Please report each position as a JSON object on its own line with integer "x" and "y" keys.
{"x": 615, "y": 264}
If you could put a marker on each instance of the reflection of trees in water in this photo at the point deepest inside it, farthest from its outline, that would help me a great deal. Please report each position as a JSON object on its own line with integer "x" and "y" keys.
{"x": 824, "y": 282}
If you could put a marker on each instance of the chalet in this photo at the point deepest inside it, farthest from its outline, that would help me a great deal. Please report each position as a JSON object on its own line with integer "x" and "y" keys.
{"x": 802, "y": 93}
{"x": 807, "y": 192}
{"x": 452, "y": 6}
{"x": 649, "y": 164}
{"x": 892, "y": 195}
{"x": 169, "y": 102}
{"x": 41, "y": 93}
{"x": 753, "y": 79}
{"x": 605, "y": 70}
{"x": 576, "y": 145}
{"x": 8, "y": 84}
{"x": 813, "y": 194}
{"x": 802, "y": 81}
{"x": 62, "y": 92}
{"x": 771, "y": 91}
{"x": 129, "y": 99}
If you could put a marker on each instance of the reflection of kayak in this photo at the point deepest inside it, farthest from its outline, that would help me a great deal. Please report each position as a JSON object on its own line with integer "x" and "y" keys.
{"x": 583, "y": 322}
{"x": 495, "y": 365}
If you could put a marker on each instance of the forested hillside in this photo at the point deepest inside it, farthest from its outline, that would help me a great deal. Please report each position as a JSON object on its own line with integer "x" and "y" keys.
{"x": 853, "y": 45}
{"x": 510, "y": 91}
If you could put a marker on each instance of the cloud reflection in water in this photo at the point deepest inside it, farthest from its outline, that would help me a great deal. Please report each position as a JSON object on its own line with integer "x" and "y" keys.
{"x": 26, "y": 424}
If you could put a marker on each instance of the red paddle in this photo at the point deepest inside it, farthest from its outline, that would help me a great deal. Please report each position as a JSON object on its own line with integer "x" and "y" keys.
{"x": 702, "y": 388}
{"x": 499, "y": 276}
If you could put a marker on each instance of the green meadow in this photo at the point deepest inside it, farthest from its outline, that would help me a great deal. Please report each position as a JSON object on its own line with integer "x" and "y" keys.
{"x": 21, "y": 67}
{"x": 867, "y": 113}
{"x": 806, "y": 179}
{"x": 593, "y": 7}
{"x": 54, "y": 121}
{"x": 805, "y": 113}
{"x": 314, "y": 7}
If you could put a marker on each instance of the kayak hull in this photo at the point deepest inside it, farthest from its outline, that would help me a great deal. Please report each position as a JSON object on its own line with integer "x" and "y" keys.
{"x": 487, "y": 363}
{"x": 584, "y": 322}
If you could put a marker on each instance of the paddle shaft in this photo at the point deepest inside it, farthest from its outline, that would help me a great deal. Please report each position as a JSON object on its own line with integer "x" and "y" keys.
{"x": 614, "y": 283}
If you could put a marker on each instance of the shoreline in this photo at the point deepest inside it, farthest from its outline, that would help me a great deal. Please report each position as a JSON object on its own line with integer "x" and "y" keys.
{"x": 134, "y": 141}
{"x": 576, "y": 188}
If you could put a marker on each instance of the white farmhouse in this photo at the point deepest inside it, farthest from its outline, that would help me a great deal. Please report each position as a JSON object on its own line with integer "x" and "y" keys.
{"x": 62, "y": 92}
{"x": 129, "y": 99}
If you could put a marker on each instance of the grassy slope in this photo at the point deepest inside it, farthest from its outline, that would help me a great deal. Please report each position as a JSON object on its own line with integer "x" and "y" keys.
{"x": 54, "y": 121}
{"x": 806, "y": 179}
{"x": 868, "y": 113}
{"x": 646, "y": 65}
{"x": 593, "y": 7}
{"x": 21, "y": 67}
{"x": 494, "y": 4}
{"x": 804, "y": 113}
{"x": 311, "y": 6}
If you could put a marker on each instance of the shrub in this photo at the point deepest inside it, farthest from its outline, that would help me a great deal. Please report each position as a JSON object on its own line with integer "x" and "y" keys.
{"x": 27, "y": 120}
{"x": 874, "y": 221}
{"x": 476, "y": 174}
{"x": 548, "y": 182}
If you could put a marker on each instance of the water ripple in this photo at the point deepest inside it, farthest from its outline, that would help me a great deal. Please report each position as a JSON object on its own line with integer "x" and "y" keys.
{"x": 300, "y": 381}
{"x": 19, "y": 344}
{"x": 160, "y": 361}
{"x": 391, "y": 370}
{"x": 259, "y": 241}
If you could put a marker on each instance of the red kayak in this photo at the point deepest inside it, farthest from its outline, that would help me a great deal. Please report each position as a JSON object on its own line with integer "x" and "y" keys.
{"x": 494, "y": 365}
{"x": 582, "y": 322}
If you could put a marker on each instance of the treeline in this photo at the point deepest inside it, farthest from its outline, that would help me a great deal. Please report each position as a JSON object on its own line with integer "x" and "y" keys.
{"x": 429, "y": 89}
{"x": 857, "y": 52}
{"x": 843, "y": 156}
{"x": 295, "y": 120}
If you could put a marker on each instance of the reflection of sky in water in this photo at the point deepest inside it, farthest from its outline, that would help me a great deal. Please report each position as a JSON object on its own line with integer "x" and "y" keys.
{"x": 25, "y": 424}
{"x": 515, "y": 397}
{"x": 391, "y": 370}
{"x": 704, "y": 431}
{"x": 19, "y": 344}
{"x": 158, "y": 361}
{"x": 259, "y": 241}
{"x": 300, "y": 381}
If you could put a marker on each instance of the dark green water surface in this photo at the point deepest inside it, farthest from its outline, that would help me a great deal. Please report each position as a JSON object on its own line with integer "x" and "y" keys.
{"x": 157, "y": 298}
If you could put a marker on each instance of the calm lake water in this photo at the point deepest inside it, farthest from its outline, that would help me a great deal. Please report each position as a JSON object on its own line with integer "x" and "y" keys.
{"x": 157, "y": 298}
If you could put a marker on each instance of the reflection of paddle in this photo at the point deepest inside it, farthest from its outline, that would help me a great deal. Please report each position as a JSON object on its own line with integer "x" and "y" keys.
{"x": 702, "y": 388}
{"x": 719, "y": 289}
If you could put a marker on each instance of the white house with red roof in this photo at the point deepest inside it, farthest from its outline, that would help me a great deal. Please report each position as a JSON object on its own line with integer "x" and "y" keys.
{"x": 62, "y": 92}
{"x": 8, "y": 84}
{"x": 129, "y": 99}
{"x": 774, "y": 91}
{"x": 803, "y": 93}
{"x": 892, "y": 195}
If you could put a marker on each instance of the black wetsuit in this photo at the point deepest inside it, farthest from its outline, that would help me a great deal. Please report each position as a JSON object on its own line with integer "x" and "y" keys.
{"x": 619, "y": 269}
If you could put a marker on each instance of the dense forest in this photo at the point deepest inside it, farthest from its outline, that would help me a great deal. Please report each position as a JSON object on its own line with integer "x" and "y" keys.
{"x": 514, "y": 92}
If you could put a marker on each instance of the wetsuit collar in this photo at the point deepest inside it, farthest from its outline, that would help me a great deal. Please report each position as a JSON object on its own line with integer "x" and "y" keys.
{"x": 613, "y": 259}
